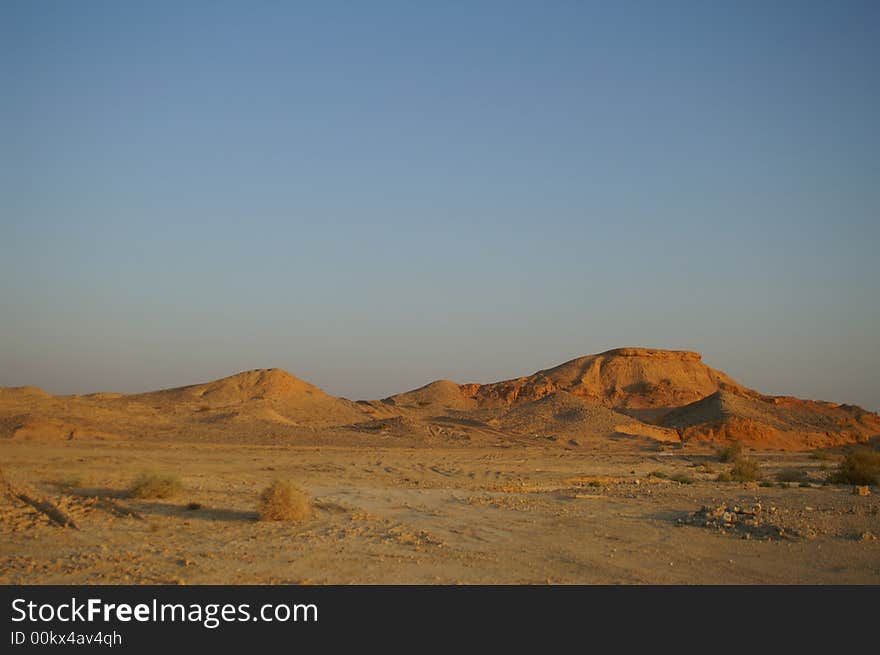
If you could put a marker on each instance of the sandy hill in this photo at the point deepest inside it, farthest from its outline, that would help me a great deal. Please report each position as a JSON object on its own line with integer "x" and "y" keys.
{"x": 438, "y": 395}
{"x": 622, "y": 378}
{"x": 265, "y": 395}
{"x": 674, "y": 393}
{"x": 563, "y": 415}
{"x": 260, "y": 384}
{"x": 767, "y": 421}
{"x": 666, "y": 395}
{"x": 267, "y": 402}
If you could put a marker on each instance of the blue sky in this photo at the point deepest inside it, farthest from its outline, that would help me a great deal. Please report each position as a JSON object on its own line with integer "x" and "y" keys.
{"x": 374, "y": 195}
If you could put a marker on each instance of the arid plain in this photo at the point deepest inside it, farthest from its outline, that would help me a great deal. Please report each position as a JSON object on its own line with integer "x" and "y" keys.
{"x": 630, "y": 466}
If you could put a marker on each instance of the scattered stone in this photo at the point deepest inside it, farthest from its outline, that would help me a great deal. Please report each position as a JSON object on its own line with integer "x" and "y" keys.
{"x": 735, "y": 519}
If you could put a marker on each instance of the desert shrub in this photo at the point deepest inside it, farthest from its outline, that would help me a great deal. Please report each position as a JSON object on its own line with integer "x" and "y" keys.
{"x": 730, "y": 453}
{"x": 820, "y": 455}
{"x": 745, "y": 470}
{"x": 660, "y": 475}
{"x": 155, "y": 485}
{"x": 791, "y": 475}
{"x": 860, "y": 466}
{"x": 681, "y": 478}
{"x": 766, "y": 483}
{"x": 193, "y": 506}
{"x": 708, "y": 467}
{"x": 805, "y": 485}
{"x": 284, "y": 501}
{"x": 724, "y": 476}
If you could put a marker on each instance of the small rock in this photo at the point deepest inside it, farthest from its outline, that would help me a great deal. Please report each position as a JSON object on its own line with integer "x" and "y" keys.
{"x": 867, "y": 536}
{"x": 862, "y": 490}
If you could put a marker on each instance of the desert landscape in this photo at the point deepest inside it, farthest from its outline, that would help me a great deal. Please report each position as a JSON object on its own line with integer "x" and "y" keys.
{"x": 634, "y": 466}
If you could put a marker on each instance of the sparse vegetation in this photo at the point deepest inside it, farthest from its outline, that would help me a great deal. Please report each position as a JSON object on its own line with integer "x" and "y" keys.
{"x": 658, "y": 474}
{"x": 681, "y": 478}
{"x": 155, "y": 485}
{"x": 743, "y": 470}
{"x": 791, "y": 475}
{"x": 766, "y": 483}
{"x": 284, "y": 501}
{"x": 730, "y": 453}
{"x": 821, "y": 455}
{"x": 860, "y": 466}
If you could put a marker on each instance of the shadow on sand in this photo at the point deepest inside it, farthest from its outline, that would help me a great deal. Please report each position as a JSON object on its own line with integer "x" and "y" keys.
{"x": 140, "y": 508}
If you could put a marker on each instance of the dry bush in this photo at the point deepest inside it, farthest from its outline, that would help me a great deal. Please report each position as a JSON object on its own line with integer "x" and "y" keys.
{"x": 730, "y": 453}
{"x": 860, "y": 466}
{"x": 743, "y": 470}
{"x": 155, "y": 485}
{"x": 284, "y": 501}
{"x": 791, "y": 475}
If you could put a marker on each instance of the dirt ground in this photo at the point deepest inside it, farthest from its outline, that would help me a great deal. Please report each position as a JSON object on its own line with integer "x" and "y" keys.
{"x": 525, "y": 514}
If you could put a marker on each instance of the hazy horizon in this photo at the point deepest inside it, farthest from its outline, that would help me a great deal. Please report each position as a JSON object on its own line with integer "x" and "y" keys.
{"x": 373, "y": 197}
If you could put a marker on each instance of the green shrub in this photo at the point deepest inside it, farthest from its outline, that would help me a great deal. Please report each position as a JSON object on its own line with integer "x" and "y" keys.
{"x": 681, "y": 478}
{"x": 658, "y": 474}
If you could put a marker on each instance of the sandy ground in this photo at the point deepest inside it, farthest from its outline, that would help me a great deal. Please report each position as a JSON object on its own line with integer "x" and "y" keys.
{"x": 425, "y": 515}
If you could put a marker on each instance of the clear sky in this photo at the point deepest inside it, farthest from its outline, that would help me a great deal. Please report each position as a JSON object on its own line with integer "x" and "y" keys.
{"x": 373, "y": 195}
